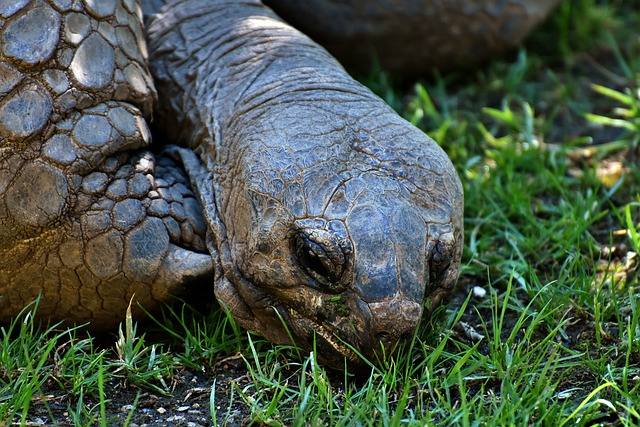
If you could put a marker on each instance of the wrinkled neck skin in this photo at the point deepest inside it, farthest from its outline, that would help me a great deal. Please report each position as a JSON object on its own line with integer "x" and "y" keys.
{"x": 332, "y": 220}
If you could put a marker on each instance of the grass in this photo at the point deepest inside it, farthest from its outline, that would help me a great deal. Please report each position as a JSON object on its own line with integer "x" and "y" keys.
{"x": 546, "y": 144}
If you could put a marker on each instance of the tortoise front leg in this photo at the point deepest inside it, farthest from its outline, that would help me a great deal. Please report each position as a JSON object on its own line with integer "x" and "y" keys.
{"x": 88, "y": 219}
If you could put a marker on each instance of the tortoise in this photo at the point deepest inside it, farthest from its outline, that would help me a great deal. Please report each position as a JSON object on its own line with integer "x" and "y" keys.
{"x": 312, "y": 210}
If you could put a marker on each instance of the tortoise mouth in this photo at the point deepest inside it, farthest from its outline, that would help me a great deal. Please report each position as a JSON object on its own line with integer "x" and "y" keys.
{"x": 338, "y": 340}
{"x": 280, "y": 320}
{"x": 330, "y": 349}
{"x": 337, "y": 349}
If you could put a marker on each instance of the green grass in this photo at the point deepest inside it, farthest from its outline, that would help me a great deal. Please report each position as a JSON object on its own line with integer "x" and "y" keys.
{"x": 546, "y": 144}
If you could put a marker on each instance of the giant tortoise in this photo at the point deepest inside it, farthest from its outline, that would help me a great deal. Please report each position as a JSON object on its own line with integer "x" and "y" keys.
{"x": 313, "y": 210}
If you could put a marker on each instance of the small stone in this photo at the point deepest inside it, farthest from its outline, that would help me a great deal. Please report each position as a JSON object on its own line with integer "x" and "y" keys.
{"x": 470, "y": 332}
{"x": 67, "y": 124}
{"x": 631, "y": 260}
{"x": 135, "y": 23}
{"x": 142, "y": 126}
{"x": 100, "y": 109}
{"x": 121, "y": 62}
{"x": 71, "y": 254}
{"x": 183, "y": 408}
{"x": 479, "y": 292}
{"x": 161, "y": 410}
{"x": 610, "y": 172}
{"x": 32, "y": 37}
{"x": 121, "y": 15}
{"x": 565, "y": 394}
{"x": 65, "y": 56}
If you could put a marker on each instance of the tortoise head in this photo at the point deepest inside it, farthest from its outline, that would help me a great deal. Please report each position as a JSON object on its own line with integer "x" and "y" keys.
{"x": 339, "y": 237}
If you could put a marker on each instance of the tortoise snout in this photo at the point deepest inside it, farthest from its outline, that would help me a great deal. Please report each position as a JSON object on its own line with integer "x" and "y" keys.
{"x": 393, "y": 322}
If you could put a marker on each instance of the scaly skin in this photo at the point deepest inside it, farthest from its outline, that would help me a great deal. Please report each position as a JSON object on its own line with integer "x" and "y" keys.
{"x": 329, "y": 218}
{"x": 85, "y": 219}
{"x": 332, "y": 219}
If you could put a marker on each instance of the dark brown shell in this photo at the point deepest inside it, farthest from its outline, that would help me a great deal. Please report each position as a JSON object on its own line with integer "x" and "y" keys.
{"x": 414, "y": 36}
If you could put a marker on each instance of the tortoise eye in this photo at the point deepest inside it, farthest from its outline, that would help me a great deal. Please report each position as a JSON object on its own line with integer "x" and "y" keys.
{"x": 321, "y": 256}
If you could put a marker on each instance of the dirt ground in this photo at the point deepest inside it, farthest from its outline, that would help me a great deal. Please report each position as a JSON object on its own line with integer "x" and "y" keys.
{"x": 188, "y": 404}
